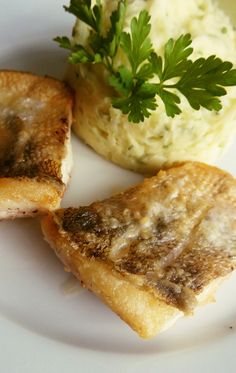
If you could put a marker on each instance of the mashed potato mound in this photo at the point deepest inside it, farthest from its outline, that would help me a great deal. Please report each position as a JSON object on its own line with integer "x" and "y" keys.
{"x": 158, "y": 141}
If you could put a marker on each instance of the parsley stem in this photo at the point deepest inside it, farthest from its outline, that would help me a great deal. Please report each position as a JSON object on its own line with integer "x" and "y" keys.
{"x": 109, "y": 65}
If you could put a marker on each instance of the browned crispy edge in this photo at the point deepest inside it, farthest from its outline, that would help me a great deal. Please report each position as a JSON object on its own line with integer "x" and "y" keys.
{"x": 123, "y": 297}
{"x": 45, "y": 192}
{"x": 143, "y": 312}
{"x": 19, "y": 72}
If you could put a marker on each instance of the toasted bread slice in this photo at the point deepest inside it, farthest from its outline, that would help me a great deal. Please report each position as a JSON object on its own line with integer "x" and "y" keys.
{"x": 35, "y": 150}
{"x": 155, "y": 251}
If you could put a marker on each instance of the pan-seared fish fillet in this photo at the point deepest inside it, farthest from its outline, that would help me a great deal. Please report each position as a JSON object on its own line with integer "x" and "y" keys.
{"x": 35, "y": 150}
{"x": 155, "y": 251}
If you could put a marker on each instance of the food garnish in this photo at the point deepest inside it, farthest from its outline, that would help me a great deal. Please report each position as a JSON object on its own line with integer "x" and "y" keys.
{"x": 147, "y": 74}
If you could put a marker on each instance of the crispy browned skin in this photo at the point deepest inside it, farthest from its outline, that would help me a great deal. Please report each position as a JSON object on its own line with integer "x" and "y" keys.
{"x": 35, "y": 120}
{"x": 171, "y": 236}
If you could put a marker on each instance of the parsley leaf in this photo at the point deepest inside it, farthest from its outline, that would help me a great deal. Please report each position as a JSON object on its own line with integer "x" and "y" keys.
{"x": 139, "y": 104}
{"x": 117, "y": 24}
{"x": 138, "y": 95}
{"x": 137, "y": 45}
{"x": 175, "y": 57}
{"x": 170, "y": 101}
{"x": 82, "y": 10}
{"x": 201, "y": 82}
{"x": 122, "y": 81}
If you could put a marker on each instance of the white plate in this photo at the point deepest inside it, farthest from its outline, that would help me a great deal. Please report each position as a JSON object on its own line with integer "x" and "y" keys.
{"x": 47, "y": 322}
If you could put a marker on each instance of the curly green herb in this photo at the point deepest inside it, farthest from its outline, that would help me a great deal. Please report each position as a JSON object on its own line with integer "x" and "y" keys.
{"x": 200, "y": 81}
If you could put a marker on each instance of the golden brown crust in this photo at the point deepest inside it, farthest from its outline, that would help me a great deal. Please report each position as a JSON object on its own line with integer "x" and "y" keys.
{"x": 143, "y": 312}
{"x": 24, "y": 197}
{"x": 35, "y": 120}
{"x": 172, "y": 236}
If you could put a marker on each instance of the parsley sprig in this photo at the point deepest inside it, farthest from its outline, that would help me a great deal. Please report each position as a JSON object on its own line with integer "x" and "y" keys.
{"x": 147, "y": 75}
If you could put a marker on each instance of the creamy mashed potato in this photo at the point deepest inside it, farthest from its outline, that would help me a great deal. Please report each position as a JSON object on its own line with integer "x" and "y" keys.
{"x": 158, "y": 141}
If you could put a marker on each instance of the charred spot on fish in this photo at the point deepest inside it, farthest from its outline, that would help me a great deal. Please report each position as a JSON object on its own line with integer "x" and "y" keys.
{"x": 12, "y": 167}
{"x": 61, "y": 133}
{"x": 134, "y": 265}
{"x": 64, "y": 120}
{"x": 84, "y": 219}
{"x": 7, "y": 163}
{"x": 163, "y": 233}
{"x": 29, "y": 151}
{"x": 25, "y": 170}
{"x": 182, "y": 298}
{"x": 14, "y": 124}
{"x": 13, "y": 127}
{"x": 51, "y": 168}
{"x": 99, "y": 252}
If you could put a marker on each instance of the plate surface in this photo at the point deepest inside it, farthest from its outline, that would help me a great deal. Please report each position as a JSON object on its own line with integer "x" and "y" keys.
{"x": 48, "y": 323}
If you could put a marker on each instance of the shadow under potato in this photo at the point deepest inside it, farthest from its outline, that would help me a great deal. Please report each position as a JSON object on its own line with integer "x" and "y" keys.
{"x": 39, "y": 59}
